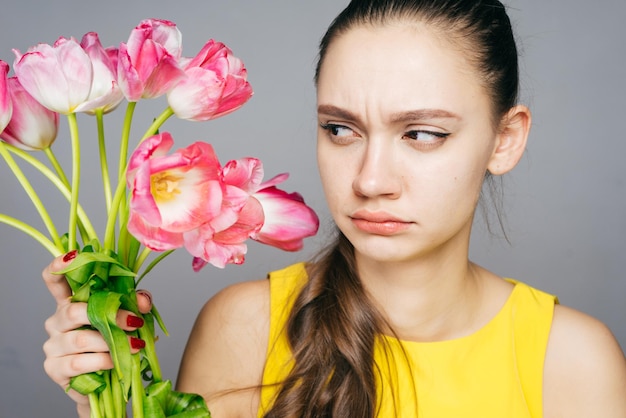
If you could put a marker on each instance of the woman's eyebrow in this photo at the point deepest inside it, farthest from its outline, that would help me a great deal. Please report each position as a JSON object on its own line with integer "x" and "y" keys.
{"x": 405, "y": 116}
{"x": 335, "y": 111}
{"x": 422, "y": 114}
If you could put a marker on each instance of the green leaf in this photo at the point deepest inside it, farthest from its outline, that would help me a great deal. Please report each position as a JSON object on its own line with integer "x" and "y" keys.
{"x": 102, "y": 310}
{"x": 122, "y": 284}
{"x": 101, "y": 270}
{"x": 92, "y": 246}
{"x": 186, "y": 405}
{"x": 159, "y": 391}
{"x": 173, "y": 403}
{"x": 82, "y": 293}
{"x": 88, "y": 383}
{"x": 152, "y": 408}
{"x": 86, "y": 258}
{"x": 159, "y": 320}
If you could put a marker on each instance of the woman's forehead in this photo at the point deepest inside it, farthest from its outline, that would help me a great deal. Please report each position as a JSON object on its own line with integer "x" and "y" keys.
{"x": 401, "y": 66}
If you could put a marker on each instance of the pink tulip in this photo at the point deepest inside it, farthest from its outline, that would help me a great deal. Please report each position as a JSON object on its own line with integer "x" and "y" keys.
{"x": 105, "y": 93}
{"x": 214, "y": 85}
{"x": 221, "y": 241}
{"x": 269, "y": 215}
{"x": 32, "y": 127}
{"x": 288, "y": 220}
{"x": 6, "y": 105}
{"x": 148, "y": 62}
{"x": 172, "y": 194}
{"x": 59, "y": 76}
{"x": 226, "y": 246}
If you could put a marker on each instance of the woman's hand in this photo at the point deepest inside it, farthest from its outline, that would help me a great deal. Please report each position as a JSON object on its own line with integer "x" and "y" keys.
{"x": 70, "y": 352}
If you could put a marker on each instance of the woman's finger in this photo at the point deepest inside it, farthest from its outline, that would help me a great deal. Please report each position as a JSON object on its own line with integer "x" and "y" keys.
{"x": 144, "y": 300}
{"x": 57, "y": 285}
{"x": 128, "y": 321}
{"x": 62, "y": 369}
{"x": 67, "y": 317}
{"x": 75, "y": 342}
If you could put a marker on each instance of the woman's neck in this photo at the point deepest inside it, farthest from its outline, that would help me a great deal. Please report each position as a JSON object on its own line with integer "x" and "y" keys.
{"x": 433, "y": 300}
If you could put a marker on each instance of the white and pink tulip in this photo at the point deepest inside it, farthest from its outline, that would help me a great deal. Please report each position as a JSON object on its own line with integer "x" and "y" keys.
{"x": 32, "y": 126}
{"x": 215, "y": 84}
{"x": 148, "y": 63}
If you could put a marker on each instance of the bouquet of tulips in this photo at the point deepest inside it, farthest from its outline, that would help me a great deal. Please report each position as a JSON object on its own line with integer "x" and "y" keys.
{"x": 161, "y": 201}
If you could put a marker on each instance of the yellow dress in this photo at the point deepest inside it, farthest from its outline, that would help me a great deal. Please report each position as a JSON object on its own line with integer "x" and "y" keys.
{"x": 497, "y": 372}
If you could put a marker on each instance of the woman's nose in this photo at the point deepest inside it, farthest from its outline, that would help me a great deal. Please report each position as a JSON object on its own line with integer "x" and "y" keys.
{"x": 378, "y": 173}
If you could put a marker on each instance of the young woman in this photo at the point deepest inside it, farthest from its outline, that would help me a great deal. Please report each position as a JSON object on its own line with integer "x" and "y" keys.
{"x": 417, "y": 107}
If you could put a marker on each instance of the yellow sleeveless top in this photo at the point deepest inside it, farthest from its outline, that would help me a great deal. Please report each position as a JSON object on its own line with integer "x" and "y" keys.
{"x": 497, "y": 372}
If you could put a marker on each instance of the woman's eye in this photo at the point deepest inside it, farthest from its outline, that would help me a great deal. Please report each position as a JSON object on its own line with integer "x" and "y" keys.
{"x": 425, "y": 140}
{"x": 426, "y": 136}
{"x": 339, "y": 132}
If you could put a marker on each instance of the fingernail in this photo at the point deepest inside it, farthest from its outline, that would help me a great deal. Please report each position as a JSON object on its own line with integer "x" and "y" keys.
{"x": 146, "y": 294}
{"x": 137, "y": 343}
{"x": 70, "y": 256}
{"x": 134, "y": 321}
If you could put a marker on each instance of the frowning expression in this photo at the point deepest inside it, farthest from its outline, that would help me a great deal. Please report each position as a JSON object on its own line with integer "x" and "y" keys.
{"x": 405, "y": 138}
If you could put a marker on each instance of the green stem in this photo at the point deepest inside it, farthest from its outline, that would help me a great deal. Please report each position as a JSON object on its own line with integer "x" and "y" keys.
{"x": 118, "y": 397}
{"x": 133, "y": 249}
{"x": 104, "y": 165}
{"x": 123, "y": 245}
{"x": 32, "y": 194}
{"x": 154, "y": 262}
{"x": 109, "y": 233}
{"x": 146, "y": 333}
{"x": 119, "y": 199}
{"x": 119, "y": 196}
{"x": 106, "y": 395}
{"x": 56, "y": 165}
{"x": 94, "y": 405}
{"x": 156, "y": 124}
{"x": 73, "y": 125}
{"x": 140, "y": 260}
{"x": 130, "y": 109}
{"x": 136, "y": 388}
{"x": 61, "y": 175}
{"x": 62, "y": 186}
{"x": 29, "y": 230}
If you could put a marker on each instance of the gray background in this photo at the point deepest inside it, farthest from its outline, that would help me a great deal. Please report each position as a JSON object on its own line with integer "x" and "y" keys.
{"x": 565, "y": 202}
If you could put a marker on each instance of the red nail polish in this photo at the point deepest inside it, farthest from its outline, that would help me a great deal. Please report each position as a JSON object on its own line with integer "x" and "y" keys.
{"x": 70, "y": 256}
{"x": 137, "y": 343}
{"x": 134, "y": 321}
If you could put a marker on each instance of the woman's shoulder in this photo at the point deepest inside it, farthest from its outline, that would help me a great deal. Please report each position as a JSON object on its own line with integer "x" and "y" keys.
{"x": 225, "y": 353}
{"x": 585, "y": 368}
{"x": 240, "y": 301}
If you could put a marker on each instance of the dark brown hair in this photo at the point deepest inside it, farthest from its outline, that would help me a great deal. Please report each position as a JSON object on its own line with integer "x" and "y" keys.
{"x": 333, "y": 325}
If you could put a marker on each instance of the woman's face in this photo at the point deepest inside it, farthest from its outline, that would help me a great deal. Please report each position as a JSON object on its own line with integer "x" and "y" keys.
{"x": 404, "y": 140}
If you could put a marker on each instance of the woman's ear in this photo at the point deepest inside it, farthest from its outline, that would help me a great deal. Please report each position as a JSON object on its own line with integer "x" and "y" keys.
{"x": 510, "y": 140}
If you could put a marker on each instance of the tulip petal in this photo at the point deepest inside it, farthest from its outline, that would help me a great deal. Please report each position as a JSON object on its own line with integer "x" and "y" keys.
{"x": 163, "y": 77}
{"x": 249, "y": 221}
{"x": 32, "y": 126}
{"x": 245, "y": 173}
{"x": 215, "y": 85}
{"x": 6, "y": 104}
{"x": 59, "y": 76}
{"x": 148, "y": 63}
{"x": 157, "y": 239}
{"x": 287, "y": 219}
{"x": 105, "y": 93}
{"x": 154, "y": 146}
{"x": 200, "y": 243}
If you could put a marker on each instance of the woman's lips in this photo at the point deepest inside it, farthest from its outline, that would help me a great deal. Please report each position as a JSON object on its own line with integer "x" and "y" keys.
{"x": 379, "y": 223}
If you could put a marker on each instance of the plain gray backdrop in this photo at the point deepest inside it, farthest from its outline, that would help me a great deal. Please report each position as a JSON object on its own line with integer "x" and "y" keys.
{"x": 565, "y": 202}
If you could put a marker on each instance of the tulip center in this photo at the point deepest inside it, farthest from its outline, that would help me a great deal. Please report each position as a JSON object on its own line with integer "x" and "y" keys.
{"x": 164, "y": 186}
